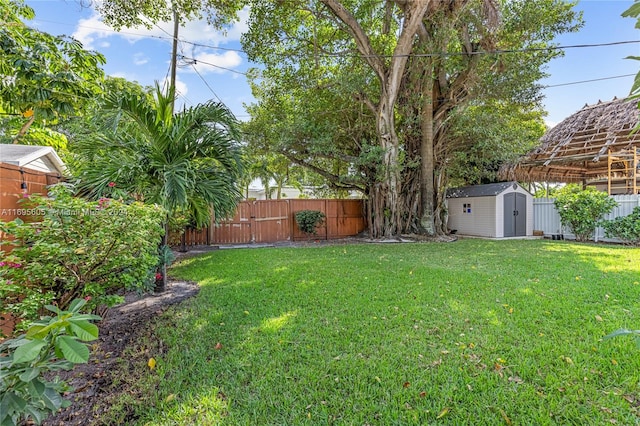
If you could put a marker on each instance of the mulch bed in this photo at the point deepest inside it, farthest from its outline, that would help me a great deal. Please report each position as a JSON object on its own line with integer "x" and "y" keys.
{"x": 120, "y": 328}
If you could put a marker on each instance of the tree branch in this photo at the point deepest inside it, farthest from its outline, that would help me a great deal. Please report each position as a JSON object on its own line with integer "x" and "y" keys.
{"x": 360, "y": 37}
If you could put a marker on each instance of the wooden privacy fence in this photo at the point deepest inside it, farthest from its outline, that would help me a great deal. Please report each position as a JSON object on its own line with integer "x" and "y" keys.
{"x": 15, "y": 182}
{"x": 270, "y": 221}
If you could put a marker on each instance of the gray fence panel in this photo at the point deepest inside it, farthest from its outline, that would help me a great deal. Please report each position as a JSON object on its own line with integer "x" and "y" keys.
{"x": 547, "y": 219}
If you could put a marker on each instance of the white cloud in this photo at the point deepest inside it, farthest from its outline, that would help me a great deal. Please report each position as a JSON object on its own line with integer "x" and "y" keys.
{"x": 93, "y": 29}
{"x": 215, "y": 63}
{"x": 90, "y": 30}
{"x": 181, "y": 86}
{"x": 140, "y": 59}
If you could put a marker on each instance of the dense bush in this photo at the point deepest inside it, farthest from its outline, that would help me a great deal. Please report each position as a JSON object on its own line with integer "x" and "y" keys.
{"x": 581, "y": 209}
{"x": 74, "y": 248}
{"x": 51, "y": 344}
{"x": 309, "y": 220}
{"x": 625, "y": 228}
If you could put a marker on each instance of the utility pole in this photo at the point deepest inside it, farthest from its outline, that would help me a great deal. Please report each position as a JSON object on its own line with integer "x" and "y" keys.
{"x": 174, "y": 57}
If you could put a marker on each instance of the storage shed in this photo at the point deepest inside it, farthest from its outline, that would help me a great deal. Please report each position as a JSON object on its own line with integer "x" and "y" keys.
{"x": 495, "y": 210}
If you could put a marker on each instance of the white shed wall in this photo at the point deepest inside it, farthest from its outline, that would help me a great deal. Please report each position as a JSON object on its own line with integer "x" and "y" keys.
{"x": 487, "y": 214}
{"x": 480, "y": 222}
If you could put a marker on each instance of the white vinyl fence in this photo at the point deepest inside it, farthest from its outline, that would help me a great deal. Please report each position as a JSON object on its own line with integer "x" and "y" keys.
{"x": 547, "y": 219}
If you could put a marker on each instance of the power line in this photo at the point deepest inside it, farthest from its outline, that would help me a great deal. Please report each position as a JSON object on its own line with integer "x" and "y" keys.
{"x": 205, "y": 82}
{"x": 417, "y": 55}
{"x": 198, "y": 61}
{"x": 589, "y": 81}
{"x": 480, "y": 52}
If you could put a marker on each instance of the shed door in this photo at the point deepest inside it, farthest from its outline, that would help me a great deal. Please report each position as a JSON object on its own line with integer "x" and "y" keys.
{"x": 515, "y": 215}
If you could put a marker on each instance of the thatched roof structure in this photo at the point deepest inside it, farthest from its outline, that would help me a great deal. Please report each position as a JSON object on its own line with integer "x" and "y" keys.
{"x": 577, "y": 149}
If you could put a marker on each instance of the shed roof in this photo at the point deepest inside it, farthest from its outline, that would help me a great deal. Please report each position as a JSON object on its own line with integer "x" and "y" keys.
{"x": 487, "y": 190}
{"x": 28, "y": 155}
{"x": 576, "y": 149}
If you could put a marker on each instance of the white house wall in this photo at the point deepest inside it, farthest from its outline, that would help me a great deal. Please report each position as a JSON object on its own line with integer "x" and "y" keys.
{"x": 480, "y": 222}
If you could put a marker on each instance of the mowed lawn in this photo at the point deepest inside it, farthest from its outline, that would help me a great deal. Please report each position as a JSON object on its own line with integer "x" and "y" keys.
{"x": 472, "y": 332}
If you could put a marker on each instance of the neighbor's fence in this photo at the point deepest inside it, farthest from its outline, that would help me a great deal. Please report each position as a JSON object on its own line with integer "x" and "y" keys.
{"x": 15, "y": 182}
{"x": 547, "y": 219}
{"x": 270, "y": 221}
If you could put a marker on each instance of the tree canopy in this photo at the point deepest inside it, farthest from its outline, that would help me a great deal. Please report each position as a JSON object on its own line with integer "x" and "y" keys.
{"x": 187, "y": 161}
{"x": 385, "y": 88}
{"x": 43, "y": 77}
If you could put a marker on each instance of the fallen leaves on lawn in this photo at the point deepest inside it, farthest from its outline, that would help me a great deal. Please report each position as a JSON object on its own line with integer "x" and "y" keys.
{"x": 516, "y": 379}
{"x": 443, "y": 413}
{"x": 507, "y": 420}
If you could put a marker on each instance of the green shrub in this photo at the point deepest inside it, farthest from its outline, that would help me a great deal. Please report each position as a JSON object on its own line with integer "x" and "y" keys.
{"x": 581, "y": 209}
{"x": 51, "y": 344}
{"x": 625, "y": 228}
{"x": 309, "y": 220}
{"x": 76, "y": 248}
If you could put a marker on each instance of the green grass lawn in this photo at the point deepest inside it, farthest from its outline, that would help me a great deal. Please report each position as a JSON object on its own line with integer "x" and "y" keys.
{"x": 472, "y": 332}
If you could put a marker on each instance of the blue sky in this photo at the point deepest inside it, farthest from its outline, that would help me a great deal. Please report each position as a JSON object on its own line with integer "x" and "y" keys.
{"x": 143, "y": 55}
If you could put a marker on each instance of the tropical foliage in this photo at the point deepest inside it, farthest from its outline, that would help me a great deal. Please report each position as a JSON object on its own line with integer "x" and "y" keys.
{"x": 51, "y": 344}
{"x": 50, "y": 76}
{"x": 625, "y": 228}
{"x": 76, "y": 248}
{"x": 308, "y": 221}
{"x": 581, "y": 209}
{"x": 634, "y": 12}
{"x": 187, "y": 161}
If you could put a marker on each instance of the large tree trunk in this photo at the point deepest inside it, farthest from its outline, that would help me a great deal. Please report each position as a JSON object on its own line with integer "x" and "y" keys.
{"x": 384, "y": 197}
{"x": 427, "y": 159}
{"x": 389, "y": 189}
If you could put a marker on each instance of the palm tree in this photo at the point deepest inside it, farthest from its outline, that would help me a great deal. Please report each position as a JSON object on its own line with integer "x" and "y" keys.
{"x": 186, "y": 162}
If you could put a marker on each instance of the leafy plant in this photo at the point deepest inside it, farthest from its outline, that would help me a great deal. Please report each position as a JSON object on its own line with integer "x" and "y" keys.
{"x": 50, "y": 344}
{"x": 309, "y": 220}
{"x": 75, "y": 248}
{"x": 625, "y": 228}
{"x": 581, "y": 209}
{"x": 624, "y": 332}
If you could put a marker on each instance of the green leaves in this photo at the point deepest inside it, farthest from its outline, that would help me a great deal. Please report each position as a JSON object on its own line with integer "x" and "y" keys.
{"x": 28, "y": 352}
{"x": 634, "y": 12}
{"x": 581, "y": 210}
{"x": 309, "y": 220}
{"x": 624, "y": 332}
{"x": 53, "y": 76}
{"x": 73, "y": 351}
{"x": 50, "y": 344}
{"x": 79, "y": 247}
{"x": 625, "y": 228}
{"x": 168, "y": 159}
